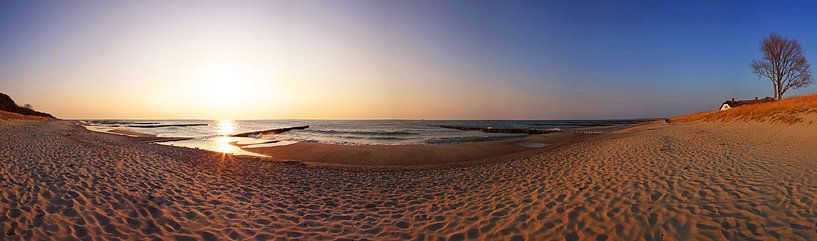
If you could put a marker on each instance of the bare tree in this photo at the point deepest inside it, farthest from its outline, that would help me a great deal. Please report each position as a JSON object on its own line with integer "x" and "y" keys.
{"x": 784, "y": 63}
{"x": 28, "y": 106}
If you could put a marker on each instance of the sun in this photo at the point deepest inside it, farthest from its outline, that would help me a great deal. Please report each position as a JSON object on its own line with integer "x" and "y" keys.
{"x": 223, "y": 90}
{"x": 225, "y": 86}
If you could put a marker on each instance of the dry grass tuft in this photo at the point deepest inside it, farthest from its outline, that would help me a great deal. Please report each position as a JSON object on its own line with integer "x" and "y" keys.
{"x": 5, "y": 115}
{"x": 790, "y": 110}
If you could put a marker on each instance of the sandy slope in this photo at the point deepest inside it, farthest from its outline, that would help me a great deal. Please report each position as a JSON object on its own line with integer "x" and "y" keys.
{"x": 680, "y": 181}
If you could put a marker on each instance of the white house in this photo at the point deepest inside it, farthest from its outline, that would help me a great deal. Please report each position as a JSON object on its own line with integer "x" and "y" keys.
{"x": 729, "y": 104}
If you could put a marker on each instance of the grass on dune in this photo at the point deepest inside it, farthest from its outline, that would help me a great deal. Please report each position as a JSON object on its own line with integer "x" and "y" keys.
{"x": 789, "y": 110}
{"x": 5, "y": 115}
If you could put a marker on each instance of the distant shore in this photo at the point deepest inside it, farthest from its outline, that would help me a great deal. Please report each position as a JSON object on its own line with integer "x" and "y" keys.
{"x": 680, "y": 180}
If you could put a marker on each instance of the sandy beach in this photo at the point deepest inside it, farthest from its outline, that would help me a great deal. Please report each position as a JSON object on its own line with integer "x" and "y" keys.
{"x": 702, "y": 180}
{"x": 373, "y": 120}
{"x": 412, "y": 157}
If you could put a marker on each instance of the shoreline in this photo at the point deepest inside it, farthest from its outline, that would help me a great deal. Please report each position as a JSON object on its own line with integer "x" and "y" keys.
{"x": 334, "y": 156}
{"x": 409, "y": 157}
{"x": 719, "y": 181}
{"x": 398, "y": 157}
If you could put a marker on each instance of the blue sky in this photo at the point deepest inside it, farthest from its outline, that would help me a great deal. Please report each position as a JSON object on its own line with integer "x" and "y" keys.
{"x": 398, "y": 59}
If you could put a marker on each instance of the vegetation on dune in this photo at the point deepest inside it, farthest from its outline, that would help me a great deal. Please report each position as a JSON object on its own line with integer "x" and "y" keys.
{"x": 8, "y": 105}
{"x": 789, "y": 110}
{"x": 784, "y": 64}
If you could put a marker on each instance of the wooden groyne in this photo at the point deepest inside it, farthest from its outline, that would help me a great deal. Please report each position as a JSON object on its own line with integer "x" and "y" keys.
{"x": 269, "y": 132}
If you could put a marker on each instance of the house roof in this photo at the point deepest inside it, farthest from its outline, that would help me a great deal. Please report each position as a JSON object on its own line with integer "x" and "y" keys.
{"x": 735, "y": 103}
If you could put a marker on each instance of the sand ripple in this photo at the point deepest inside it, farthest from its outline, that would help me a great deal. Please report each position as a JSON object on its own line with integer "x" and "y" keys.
{"x": 656, "y": 182}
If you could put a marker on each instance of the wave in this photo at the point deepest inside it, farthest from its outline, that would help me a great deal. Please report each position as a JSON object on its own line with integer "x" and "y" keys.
{"x": 375, "y": 138}
{"x": 453, "y": 140}
{"x": 111, "y": 122}
{"x": 373, "y": 133}
{"x": 167, "y": 125}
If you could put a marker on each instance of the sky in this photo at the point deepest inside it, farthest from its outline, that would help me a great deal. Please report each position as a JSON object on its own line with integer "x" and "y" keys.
{"x": 389, "y": 59}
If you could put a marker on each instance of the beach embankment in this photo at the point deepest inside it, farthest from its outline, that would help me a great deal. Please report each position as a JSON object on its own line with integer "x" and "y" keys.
{"x": 790, "y": 110}
{"x": 10, "y": 110}
{"x": 700, "y": 180}
{"x": 7, "y": 116}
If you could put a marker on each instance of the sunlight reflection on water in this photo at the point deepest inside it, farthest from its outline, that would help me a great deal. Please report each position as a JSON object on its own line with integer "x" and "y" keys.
{"x": 226, "y": 127}
{"x": 222, "y": 143}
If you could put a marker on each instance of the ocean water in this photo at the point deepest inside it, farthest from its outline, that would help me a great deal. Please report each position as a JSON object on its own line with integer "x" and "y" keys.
{"x": 214, "y": 135}
{"x": 355, "y": 132}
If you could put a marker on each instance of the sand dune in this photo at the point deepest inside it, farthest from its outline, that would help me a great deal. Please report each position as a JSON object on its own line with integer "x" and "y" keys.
{"x": 5, "y": 115}
{"x": 707, "y": 181}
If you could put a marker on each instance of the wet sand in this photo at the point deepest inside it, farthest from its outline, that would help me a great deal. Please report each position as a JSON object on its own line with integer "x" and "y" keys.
{"x": 395, "y": 157}
{"x": 703, "y": 181}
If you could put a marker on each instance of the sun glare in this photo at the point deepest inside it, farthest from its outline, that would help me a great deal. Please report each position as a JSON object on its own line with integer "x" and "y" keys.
{"x": 223, "y": 144}
{"x": 226, "y": 86}
{"x": 226, "y": 127}
{"x": 222, "y": 89}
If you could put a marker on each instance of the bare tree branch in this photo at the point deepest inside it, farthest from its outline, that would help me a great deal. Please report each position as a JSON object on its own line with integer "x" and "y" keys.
{"x": 784, "y": 64}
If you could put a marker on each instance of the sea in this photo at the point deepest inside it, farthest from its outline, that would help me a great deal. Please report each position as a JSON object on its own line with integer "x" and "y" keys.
{"x": 213, "y": 134}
